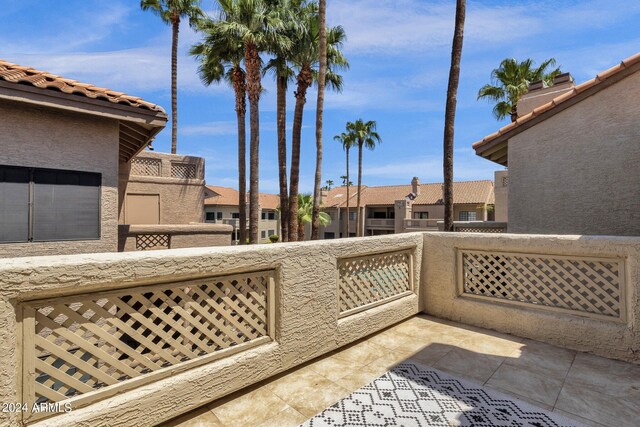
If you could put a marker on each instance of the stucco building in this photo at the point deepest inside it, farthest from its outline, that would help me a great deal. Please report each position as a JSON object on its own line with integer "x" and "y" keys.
{"x": 64, "y": 165}
{"x": 573, "y": 161}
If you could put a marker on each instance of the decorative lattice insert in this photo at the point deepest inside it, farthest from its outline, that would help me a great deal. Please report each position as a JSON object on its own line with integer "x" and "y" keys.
{"x": 145, "y": 167}
{"x": 587, "y": 285}
{"x": 373, "y": 278}
{"x": 149, "y": 242}
{"x": 183, "y": 170}
{"x": 77, "y": 345}
{"x": 480, "y": 229}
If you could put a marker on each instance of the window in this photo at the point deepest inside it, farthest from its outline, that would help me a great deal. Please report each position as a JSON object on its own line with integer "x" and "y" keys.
{"x": 218, "y": 216}
{"x": 328, "y": 235}
{"x": 271, "y": 232}
{"x": 352, "y": 216}
{"x": 272, "y": 215}
{"x": 263, "y": 234}
{"x": 263, "y": 215}
{"x": 467, "y": 216}
{"x": 235, "y": 215}
{"x": 210, "y": 216}
{"x": 421, "y": 215}
{"x": 268, "y": 215}
{"x": 65, "y": 205}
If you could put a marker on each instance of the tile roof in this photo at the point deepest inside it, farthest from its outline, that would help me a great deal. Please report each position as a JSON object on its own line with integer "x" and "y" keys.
{"x": 18, "y": 74}
{"x": 226, "y": 196}
{"x": 337, "y": 196}
{"x": 553, "y": 106}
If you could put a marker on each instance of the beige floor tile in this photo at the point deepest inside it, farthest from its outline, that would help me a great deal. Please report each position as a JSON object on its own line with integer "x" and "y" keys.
{"x": 513, "y": 395}
{"x": 388, "y": 361}
{"x": 361, "y": 353}
{"x": 612, "y": 377}
{"x": 201, "y": 417}
{"x": 535, "y": 387}
{"x": 575, "y": 417}
{"x": 334, "y": 368}
{"x": 308, "y": 393}
{"x": 248, "y": 409}
{"x": 361, "y": 377}
{"x": 390, "y": 339}
{"x": 289, "y": 417}
{"x": 541, "y": 358}
{"x": 490, "y": 345}
{"x": 470, "y": 365}
{"x": 591, "y": 403}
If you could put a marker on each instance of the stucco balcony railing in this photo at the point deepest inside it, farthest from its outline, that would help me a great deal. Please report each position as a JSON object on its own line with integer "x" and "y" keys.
{"x": 421, "y": 224}
{"x": 139, "y": 338}
{"x": 380, "y": 223}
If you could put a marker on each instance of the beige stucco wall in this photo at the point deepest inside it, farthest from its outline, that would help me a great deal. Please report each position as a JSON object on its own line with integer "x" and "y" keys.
{"x": 181, "y": 200}
{"x": 181, "y": 235}
{"x": 608, "y": 338}
{"x": 577, "y": 172}
{"x": 501, "y": 194}
{"x": 47, "y": 138}
{"x": 307, "y": 323}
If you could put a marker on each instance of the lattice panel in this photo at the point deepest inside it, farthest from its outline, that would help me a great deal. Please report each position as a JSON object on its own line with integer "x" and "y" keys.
{"x": 588, "y": 285}
{"x": 480, "y": 229}
{"x": 145, "y": 167}
{"x": 77, "y": 345}
{"x": 374, "y": 278}
{"x": 150, "y": 242}
{"x": 183, "y": 170}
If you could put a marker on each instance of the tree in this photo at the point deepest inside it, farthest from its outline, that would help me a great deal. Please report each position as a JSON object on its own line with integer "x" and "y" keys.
{"x": 259, "y": 27}
{"x": 511, "y": 81}
{"x": 322, "y": 72}
{"x": 329, "y": 183}
{"x": 305, "y": 212}
{"x": 171, "y": 12}
{"x": 450, "y": 113}
{"x": 305, "y": 54}
{"x": 347, "y": 141}
{"x": 220, "y": 59}
{"x": 364, "y": 135}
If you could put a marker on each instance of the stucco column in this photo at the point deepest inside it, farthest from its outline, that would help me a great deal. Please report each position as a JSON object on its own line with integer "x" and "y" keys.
{"x": 403, "y": 210}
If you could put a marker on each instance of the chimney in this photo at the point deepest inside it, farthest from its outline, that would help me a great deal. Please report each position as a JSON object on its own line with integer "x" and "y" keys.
{"x": 539, "y": 93}
{"x": 415, "y": 186}
{"x": 324, "y": 193}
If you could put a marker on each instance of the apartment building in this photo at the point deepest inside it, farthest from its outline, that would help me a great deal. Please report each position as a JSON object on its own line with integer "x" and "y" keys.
{"x": 221, "y": 206}
{"x": 403, "y": 208}
{"x": 573, "y": 156}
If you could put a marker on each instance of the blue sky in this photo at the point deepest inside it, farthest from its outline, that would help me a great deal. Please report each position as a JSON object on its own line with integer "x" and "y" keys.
{"x": 399, "y": 53}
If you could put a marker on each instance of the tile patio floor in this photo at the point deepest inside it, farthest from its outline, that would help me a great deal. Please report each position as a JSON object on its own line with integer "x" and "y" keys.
{"x": 587, "y": 388}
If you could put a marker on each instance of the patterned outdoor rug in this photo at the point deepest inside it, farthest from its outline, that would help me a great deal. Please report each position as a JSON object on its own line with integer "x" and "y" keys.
{"x": 413, "y": 395}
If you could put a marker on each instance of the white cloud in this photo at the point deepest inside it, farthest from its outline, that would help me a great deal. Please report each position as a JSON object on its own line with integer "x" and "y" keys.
{"x": 211, "y": 128}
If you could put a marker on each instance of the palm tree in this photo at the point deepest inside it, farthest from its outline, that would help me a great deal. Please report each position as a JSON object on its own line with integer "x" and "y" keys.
{"x": 450, "y": 113}
{"x": 171, "y": 12}
{"x": 322, "y": 72}
{"x": 283, "y": 74}
{"x": 511, "y": 81}
{"x": 305, "y": 212}
{"x": 329, "y": 183}
{"x": 364, "y": 135}
{"x": 220, "y": 59}
{"x": 259, "y": 27}
{"x": 347, "y": 141}
{"x": 305, "y": 54}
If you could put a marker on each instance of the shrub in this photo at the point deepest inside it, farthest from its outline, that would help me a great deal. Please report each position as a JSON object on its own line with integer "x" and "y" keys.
{"x": 274, "y": 238}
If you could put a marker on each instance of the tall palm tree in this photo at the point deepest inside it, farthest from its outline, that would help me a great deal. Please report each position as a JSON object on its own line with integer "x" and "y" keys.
{"x": 220, "y": 59}
{"x": 259, "y": 27}
{"x": 511, "y": 81}
{"x": 450, "y": 113}
{"x": 305, "y": 54}
{"x": 305, "y": 212}
{"x": 171, "y": 12}
{"x": 284, "y": 74}
{"x": 347, "y": 141}
{"x": 365, "y": 136}
{"x": 322, "y": 72}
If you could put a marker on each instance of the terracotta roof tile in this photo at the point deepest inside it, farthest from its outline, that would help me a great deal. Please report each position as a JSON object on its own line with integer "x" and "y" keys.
{"x": 601, "y": 77}
{"x": 18, "y": 74}
{"x": 226, "y": 196}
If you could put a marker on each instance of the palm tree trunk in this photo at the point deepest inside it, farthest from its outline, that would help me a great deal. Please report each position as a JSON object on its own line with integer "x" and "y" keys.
{"x": 240, "y": 88}
{"x": 450, "y": 114}
{"x": 300, "y": 231}
{"x": 281, "y": 83}
{"x": 175, "y": 23}
{"x": 347, "y": 150}
{"x": 322, "y": 72}
{"x": 359, "y": 230}
{"x": 254, "y": 87}
{"x": 304, "y": 81}
{"x": 514, "y": 112}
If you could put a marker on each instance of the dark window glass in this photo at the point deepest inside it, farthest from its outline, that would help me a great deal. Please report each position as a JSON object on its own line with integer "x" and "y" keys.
{"x": 235, "y": 215}
{"x": 328, "y": 235}
{"x": 14, "y": 204}
{"x": 219, "y": 215}
{"x": 210, "y": 216}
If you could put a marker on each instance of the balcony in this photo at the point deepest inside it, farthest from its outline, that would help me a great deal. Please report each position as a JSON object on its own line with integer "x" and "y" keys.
{"x": 421, "y": 224}
{"x": 143, "y": 338}
{"x": 380, "y": 223}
